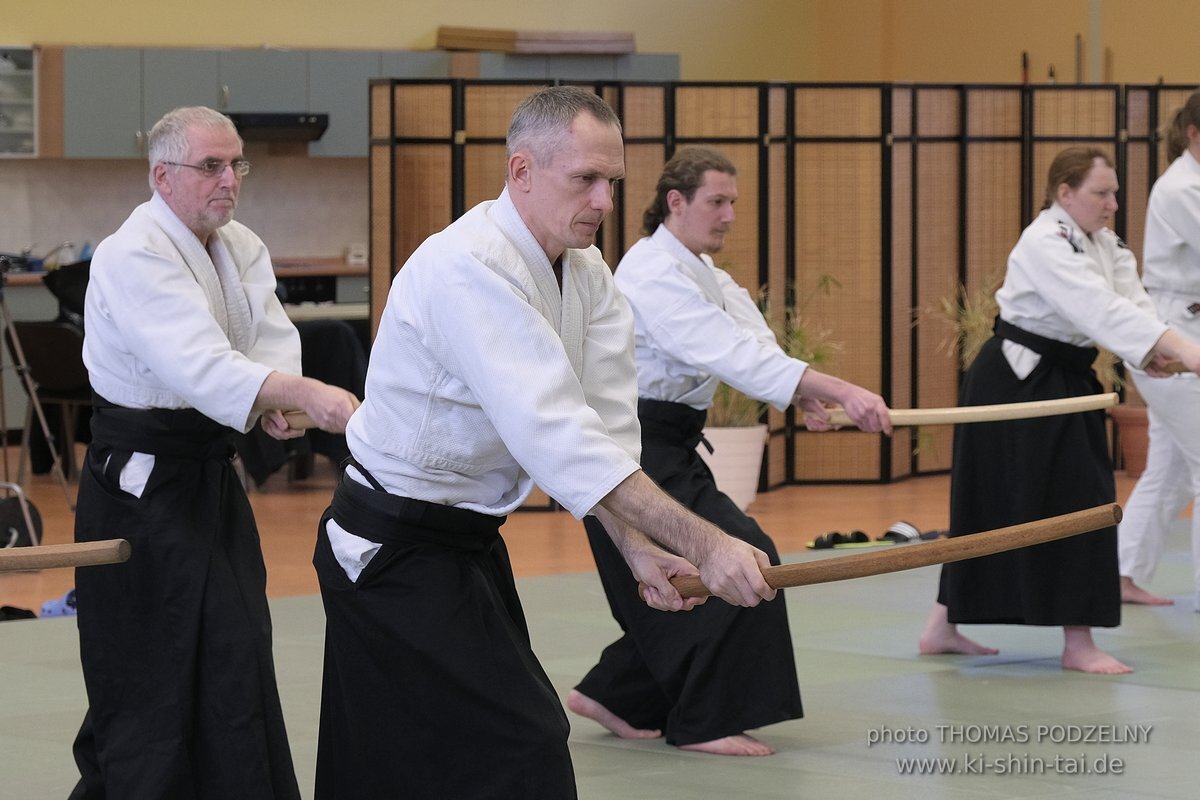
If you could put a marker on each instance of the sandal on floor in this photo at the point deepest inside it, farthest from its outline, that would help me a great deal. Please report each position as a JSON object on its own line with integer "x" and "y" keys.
{"x": 901, "y": 532}
{"x": 828, "y": 540}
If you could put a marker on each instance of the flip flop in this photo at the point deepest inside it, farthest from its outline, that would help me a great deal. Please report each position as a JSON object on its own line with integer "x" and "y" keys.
{"x": 828, "y": 540}
{"x": 901, "y": 532}
{"x": 858, "y": 539}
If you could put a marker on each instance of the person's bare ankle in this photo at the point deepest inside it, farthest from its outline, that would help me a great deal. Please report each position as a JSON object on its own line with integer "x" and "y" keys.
{"x": 585, "y": 706}
{"x": 1136, "y": 595}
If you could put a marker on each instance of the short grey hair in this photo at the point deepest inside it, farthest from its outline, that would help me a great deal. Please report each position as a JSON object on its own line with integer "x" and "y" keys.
{"x": 168, "y": 138}
{"x": 540, "y": 121}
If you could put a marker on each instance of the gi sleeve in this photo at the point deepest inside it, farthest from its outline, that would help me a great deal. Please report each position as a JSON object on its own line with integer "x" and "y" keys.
{"x": 733, "y": 343}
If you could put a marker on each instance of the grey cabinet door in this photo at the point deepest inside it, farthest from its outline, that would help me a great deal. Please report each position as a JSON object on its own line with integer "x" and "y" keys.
{"x": 264, "y": 80}
{"x": 338, "y": 83}
{"x": 174, "y": 77}
{"x": 102, "y": 102}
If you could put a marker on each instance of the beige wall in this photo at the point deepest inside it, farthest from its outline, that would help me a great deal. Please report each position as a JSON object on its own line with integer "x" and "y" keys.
{"x": 716, "y": 39}
{"x": 977, "y": 41}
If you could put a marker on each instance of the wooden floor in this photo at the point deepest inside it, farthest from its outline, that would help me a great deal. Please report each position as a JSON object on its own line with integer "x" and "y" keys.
{"x": 540, "y": 542}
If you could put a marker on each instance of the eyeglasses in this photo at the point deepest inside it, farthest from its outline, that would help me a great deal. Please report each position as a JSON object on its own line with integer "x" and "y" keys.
{"x": 211, "y": 168}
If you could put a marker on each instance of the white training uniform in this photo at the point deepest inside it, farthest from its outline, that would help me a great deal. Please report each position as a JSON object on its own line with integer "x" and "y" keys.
{"x": 695, "y": 327}
{"x": 172, "y": 325}
{"x": 486, "y": 378}
{"x": 1171, "y": 274}
{"x": 179, "y": 353}
{"x": 1083, "y": 295}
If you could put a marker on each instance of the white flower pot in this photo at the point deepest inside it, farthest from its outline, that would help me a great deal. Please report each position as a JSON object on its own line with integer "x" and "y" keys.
{"x": 736, "y": 460}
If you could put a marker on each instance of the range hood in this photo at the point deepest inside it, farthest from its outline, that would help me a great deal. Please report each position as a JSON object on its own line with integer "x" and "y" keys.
{"x": 280, "y": 126}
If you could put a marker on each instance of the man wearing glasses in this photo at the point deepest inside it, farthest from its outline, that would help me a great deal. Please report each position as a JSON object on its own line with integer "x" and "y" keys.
{"x": 186, "y": 345}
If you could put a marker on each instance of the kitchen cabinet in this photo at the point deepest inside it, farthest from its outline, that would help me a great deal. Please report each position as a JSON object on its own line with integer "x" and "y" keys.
{"x": 338, "y": 84}
{"x": 112, "y": 96}
{"x": 18, "y": 103}
{"x": 263, "y": 80}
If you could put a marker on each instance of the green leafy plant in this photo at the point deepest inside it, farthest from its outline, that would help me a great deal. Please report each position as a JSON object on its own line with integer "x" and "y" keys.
{"x": 731, "y": 408}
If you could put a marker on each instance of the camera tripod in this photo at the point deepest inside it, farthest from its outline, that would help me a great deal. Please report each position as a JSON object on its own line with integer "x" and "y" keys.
{"x": 20, "y": 523}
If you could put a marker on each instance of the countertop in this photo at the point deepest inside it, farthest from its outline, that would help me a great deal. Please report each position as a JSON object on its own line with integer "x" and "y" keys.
{"x": 284, "y": 268}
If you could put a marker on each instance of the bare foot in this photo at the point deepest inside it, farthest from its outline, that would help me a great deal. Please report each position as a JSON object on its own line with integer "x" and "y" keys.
{"x": 739, "y": 745}
{"x": 1081, "y": 653}
{"x": 585, "y": 706}
{"x": 1132, "y": 593}
{"x": 941, "y": 637}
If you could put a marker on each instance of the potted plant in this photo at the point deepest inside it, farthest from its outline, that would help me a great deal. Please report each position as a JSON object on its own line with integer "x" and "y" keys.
{"x": 735, "y": 426}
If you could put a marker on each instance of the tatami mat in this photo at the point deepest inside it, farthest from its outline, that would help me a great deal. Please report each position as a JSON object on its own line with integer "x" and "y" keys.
{"x": 860, "y": 677}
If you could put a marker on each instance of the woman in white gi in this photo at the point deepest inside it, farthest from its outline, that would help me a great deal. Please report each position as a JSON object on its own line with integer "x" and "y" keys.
{"x": 1071, "y": 282}
{"x": 1171, "y": 275}
{"x": 705, "y": 678}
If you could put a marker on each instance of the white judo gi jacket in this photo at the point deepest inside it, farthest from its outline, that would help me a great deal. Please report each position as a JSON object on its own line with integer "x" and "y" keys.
{"x": 485, "y": 378}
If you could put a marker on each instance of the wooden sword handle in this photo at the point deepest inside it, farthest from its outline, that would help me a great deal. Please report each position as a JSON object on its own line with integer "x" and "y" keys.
{"x": 923, "y": 554}
{"x": 299, "y": 420}
{"x": 77, "y": 554}
{"x": 910, "y": 417}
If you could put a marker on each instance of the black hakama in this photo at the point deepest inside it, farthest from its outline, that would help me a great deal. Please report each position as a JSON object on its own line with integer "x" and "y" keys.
{"x": 712, "y": 672}
{"x": 1017, "y": 471}
{"x": 176, "y": 642}
{"x": 431, "y": 689}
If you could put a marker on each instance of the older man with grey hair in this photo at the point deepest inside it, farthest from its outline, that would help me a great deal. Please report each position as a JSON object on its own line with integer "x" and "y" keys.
{"x": 186, "y": 346}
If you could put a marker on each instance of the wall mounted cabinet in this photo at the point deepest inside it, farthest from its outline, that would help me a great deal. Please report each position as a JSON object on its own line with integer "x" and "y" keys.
{"x": 18, "y": 102}
{"x": 99, "y": 102}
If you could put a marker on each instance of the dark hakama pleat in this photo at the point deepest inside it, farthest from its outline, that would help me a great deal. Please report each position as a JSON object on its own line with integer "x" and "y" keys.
{"x": 717, "y": 670}
{"x": 1011, "y": 472}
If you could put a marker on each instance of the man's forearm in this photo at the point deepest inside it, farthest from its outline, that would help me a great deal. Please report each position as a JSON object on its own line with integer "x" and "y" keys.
{"x": 638, "y": 503}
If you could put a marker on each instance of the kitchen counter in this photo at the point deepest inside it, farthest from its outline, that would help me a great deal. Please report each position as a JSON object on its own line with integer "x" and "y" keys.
{"x": 284, "y": 268}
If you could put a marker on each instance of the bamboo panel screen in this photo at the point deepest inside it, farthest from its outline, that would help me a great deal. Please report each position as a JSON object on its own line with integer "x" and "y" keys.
{"x": 643, "y": 112}
{"x": 420, "y": 171}
{"x": 421, "y": 111}
{"x": 716, "y": 112}
{"x": 902, "y": 330}
{"x": 483, "y": 173}
{"x": 836, "y": 111}
{"x": 993, "y": 112}
{"x": 937, "y": 113}
{"x": 487, "y": 109}
{"x": 937, "y": 277}
{"x": 381, "y": 110}
{"x": 775, "y": 219}
{"x": 902, "y": 111}
{"x": 1074, "y": 112}
{"x": 838, "y": 233}
{"x": 643, "y": 163}
{"x": 381, "y": 231}
{"x": 901, "y": 187}
{"x": 777, "y": 112}
{"x": 835, "y": 457}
